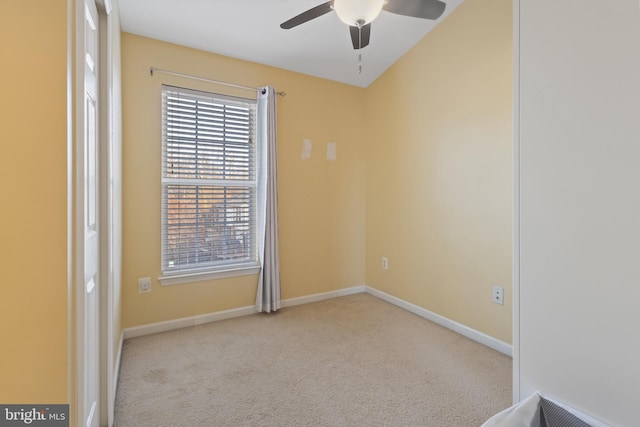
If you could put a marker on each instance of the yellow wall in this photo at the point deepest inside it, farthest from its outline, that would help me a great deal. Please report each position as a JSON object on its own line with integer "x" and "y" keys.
{"x": 434, "y": 133}
{"x": 33, "y": 218}
{"x": 435, "y": 138}
{"x": 321, "y": 203}
{"x": 438, "y": 144}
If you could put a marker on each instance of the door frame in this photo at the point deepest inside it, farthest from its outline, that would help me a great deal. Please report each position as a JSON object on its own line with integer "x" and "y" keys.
{"x": 516, "y": 203}
{"x": 76, "y": 208}
{"x": 110, "y": 165}
{"x": 109, "y": 204}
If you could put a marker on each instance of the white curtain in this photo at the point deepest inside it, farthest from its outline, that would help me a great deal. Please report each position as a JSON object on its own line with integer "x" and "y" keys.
{"x": 268, "y": 296}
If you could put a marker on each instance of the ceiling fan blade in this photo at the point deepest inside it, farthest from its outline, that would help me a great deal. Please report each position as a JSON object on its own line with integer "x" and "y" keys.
{"x": 360, "y": 36}
{"x": 426, "y": 9}
{"x": 308, "y": 15}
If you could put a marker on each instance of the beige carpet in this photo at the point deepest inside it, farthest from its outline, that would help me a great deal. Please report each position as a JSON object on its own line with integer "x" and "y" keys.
{"x": 350, "y": 361}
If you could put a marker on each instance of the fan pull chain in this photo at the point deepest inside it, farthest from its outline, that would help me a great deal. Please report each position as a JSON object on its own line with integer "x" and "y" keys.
{"x": 360, "y": 47}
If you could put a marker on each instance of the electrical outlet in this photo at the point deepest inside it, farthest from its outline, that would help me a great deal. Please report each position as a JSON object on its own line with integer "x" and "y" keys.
{"x": 144, "y": 285}
{"x": 498, "y": 294}
{"x": 385, "y": 263}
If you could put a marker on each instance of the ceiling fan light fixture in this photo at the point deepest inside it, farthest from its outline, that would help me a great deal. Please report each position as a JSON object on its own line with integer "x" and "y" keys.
{"x": 357, "y": 12}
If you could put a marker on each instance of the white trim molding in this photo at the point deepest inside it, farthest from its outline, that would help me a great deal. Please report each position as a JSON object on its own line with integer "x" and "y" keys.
{"x": 323, "y": 296}
{"x": 516, "y": 203}
{"x": 466, "y": 331}
{"x": 170, "y": 325}
{"x": 184, "y": 322}
{"x": 201, "y": 276}
{"x": 116, "y": 370}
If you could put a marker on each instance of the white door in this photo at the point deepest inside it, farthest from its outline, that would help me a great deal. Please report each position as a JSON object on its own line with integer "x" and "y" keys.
{"x": 90, "y": 319}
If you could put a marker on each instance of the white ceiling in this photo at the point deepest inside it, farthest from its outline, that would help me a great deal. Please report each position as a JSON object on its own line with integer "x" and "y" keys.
{"x": 250, "y": 30}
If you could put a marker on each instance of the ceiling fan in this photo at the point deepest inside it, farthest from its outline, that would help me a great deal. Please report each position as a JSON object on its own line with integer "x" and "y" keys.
{"x": 358, "y": 14}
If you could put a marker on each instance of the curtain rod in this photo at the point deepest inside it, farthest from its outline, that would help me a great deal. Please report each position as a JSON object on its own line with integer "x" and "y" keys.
{"x": 173, "y": 73}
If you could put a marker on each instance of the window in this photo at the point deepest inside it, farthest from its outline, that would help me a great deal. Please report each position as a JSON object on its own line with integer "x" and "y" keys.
{"x": 208, "y": 185}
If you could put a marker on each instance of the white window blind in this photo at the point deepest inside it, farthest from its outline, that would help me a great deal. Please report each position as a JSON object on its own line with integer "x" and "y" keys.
{"x": 208, "y": 182}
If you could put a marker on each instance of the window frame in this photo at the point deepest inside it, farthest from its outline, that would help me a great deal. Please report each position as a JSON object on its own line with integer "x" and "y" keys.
{"x": 223, "y": 269}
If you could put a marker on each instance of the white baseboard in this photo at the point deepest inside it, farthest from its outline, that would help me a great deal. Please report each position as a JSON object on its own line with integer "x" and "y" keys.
{"x": 112, "y": 389}
{"x": 466, "y": 331}
{"x": 184, "y": 322}
{"x": 169, "y": 325}
{"x": 116, "y": 371}
{"x": 323, "y": 296}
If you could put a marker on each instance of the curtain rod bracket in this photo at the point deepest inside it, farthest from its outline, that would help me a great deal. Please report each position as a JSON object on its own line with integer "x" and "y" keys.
{"x": 152, "y": 69}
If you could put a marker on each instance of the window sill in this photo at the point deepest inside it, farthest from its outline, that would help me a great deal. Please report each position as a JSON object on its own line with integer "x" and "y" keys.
{"x": 202, "y": 276}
